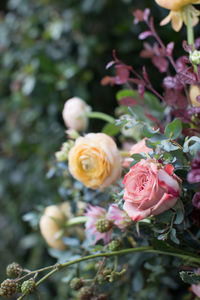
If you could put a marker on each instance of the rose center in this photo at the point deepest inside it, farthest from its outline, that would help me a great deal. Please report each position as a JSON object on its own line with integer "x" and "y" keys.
{"x": 87, "y": 163}
{"x": 141, "y": 184}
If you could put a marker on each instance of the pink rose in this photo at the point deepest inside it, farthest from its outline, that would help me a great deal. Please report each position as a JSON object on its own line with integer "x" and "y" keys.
{"x": 150, "y": 189}
{"x": 196, "y": 289}
{"x": 140, "y": 147}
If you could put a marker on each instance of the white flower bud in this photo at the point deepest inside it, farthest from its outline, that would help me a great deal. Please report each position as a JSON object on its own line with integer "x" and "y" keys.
{"x": 75, "y": 114}
{"x": 195, "y": 57}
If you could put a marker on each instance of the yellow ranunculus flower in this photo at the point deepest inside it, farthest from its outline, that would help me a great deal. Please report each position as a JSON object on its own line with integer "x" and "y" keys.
{"x": 95, "y": 160}
{"x": 176, "y": 4}
{"x": 194, "y": 92}
{"x": 177, "y": 14}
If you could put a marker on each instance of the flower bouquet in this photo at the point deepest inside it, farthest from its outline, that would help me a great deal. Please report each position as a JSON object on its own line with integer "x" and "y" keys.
{"x": 129, "y": 226}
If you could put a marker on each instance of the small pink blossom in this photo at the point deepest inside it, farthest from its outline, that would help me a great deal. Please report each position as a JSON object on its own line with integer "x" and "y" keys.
{"x": 95, "y": 213}
{"x": 118, "y": 216}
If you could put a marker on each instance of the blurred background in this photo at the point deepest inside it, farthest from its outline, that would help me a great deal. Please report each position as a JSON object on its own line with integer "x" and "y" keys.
{"x": 51, "y": 50}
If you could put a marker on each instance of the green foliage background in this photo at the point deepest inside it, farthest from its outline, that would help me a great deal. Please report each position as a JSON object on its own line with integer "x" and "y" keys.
{"x": 51, "y": 50}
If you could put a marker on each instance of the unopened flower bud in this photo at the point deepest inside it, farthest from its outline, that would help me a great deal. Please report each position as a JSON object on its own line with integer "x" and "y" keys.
{"x": 72, "y": 134}
{"x": 13, "y": 270}
{"x": 8, "y": 288}
{"x": 103, "y": 225}
{"x": 62, "y": 155}
{"x": 114, "y": 245}
{"x": 52, "y": 223}
{"x": 194, "y": 93}
{"x": 76, "y": 283}
{"x": 75, "y": 114}
{"x": 195, "y": 57}
{"x": 85, "y": 293}
{"x": 28, "y": 286}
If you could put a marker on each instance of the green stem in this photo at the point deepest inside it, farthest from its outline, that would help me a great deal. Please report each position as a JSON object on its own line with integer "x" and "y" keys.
{"x": 76, "y": 221}
{"x": 186, "y": 256}
{"x": 190, "y": 31}
{"x": 101, "y": 116}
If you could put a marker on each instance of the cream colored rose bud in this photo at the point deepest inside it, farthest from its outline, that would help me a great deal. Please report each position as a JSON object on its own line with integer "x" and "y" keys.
{"x": 75, "y": 114}
{"x": 194, "y": 92}
{"x": 51, "y": 224}
{"x": 195, "y": 57}
{"x": 95, "y": 161}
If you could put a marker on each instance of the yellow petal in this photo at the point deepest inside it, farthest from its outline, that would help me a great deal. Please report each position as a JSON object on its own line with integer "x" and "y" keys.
{"x": 166, "y": 20}
{"x": 177, "y": 20}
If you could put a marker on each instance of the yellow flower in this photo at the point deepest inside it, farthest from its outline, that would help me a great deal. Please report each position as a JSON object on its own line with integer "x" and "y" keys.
{"x": 194, "y": 92}
{"x": 178, "y": 12}
{"x": 95, "y": 161}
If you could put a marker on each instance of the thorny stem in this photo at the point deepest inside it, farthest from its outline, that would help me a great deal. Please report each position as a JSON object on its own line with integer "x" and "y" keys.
{"x": 186, "y": 256}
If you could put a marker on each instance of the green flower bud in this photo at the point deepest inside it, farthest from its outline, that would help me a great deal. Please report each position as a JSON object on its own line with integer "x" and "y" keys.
{"x": 195, "y": 57}
{"x": 8, "y": 288}
{"x": 28, "y": 286}
{"x": 85, "y": 293}
{"x": 114, "y": 245}
{"x": 103, "y": 225}
{"x": 76, "y": 283}
{"x": 13, "y": 270}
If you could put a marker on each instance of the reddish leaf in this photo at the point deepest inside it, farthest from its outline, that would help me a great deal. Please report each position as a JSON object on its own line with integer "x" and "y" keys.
{"x": 128, "y": 101}
{"x": 161, "y": 63}
{"x": 170, "y": 48}
{"x": 144, "y": 71}
{"x": 108, "y": 80}
{"x": 144, "y": 35}
{"x": 110, "y": 64}
{"x": 122, "y": 74}
{"x": 141, "y": 90}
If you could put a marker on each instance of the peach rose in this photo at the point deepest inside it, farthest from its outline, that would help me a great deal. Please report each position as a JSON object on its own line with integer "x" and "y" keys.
{"x": 140, "y": 147}
{"x": 194, "y": 92}
{"x": 175, "y": 4}
{"x": 95, "y": 160}
{"x": 74, "y": 114}
{"x": 150, "y": 189}
{"x": 52, "y": 222}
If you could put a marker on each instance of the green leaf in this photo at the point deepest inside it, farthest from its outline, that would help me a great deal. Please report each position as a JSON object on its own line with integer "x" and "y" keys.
{"x": 194, "y": 148}
{"x": 111, "y": 129}
{"x": 179, "y": 217}
{"x": 168, "y": 146}
{"x": 190, "y": 277}
{"x": 174, "y": 129}
{"x": 165, "y": 217}
{"x": 149, "y": 131}
{"x": 126, "y": 93}
{"x": 137, "y": 157}
{"x": 173, "y": 236}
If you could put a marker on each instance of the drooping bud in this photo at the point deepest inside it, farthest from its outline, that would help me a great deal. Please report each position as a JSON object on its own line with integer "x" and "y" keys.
{"x": 28, "y": 286}
{"x": 8, "y": 288}
{"x": 76, "y": 283}
{"x": 13, "y": 270}
{"x": 103, "y": 225}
